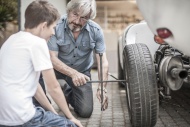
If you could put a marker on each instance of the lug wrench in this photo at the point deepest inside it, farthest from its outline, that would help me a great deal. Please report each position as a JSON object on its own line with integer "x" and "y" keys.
{"x": 122, "y": 81}
{"x": 101, "y": 80}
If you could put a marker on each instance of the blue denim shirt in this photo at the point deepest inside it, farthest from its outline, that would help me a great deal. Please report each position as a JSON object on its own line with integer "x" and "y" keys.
{"x": 77, "y": 54}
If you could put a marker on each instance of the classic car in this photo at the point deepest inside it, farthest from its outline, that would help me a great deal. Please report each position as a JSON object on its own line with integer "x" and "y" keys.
{"x": 153, "y": 57}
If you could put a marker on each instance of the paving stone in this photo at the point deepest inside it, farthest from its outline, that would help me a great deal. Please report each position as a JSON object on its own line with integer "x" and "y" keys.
{"x": 118, "y": 124}
{"x": 93, "y": 125}
{"x": 172, "y": 113}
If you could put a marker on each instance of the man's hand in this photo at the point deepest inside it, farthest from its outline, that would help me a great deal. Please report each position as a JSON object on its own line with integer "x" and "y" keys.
{"x": 79, "y": 78}
{"x": 105, "y": 98}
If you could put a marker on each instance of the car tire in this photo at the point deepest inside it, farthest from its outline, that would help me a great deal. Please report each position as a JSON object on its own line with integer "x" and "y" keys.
{"x": 119, "y": 69}
{"x": 141, "y": 86}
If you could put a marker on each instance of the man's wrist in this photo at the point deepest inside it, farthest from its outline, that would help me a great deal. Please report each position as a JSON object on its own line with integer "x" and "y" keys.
{"x": 104, "y": 89}
{"x": 73, "y": 72}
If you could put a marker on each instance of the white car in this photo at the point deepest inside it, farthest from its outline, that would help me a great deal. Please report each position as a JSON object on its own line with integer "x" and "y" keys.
{"x": 154, "y": 57}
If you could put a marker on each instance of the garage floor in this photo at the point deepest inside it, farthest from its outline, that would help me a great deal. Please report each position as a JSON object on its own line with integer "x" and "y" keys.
{"x": 172, "y": 113}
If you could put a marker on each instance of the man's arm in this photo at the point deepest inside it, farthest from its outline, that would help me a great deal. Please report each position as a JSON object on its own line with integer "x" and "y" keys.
{"x": 54, "y": 89}
{"x": 77, "y": 77}
{"x": 42, "y": 99}
{"x": 105, "y": 68}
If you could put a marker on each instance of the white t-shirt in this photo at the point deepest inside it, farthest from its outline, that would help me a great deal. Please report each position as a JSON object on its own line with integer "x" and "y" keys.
{"x": 22, "y": 57}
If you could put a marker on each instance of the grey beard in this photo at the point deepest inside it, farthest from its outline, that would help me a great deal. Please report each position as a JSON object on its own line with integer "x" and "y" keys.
{"x": 74, "y": 29}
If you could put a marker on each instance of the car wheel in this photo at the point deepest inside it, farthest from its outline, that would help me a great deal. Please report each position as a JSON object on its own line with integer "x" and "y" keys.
{"x": 141, "y": 86}
{"x": 120, "y": 70}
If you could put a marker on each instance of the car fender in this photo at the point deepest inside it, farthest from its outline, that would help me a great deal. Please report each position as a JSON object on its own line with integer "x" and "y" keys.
{"x": 137, "y": 33}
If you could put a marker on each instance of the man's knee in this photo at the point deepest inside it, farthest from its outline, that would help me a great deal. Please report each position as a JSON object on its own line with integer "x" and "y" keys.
{"x": 85, "y": 111}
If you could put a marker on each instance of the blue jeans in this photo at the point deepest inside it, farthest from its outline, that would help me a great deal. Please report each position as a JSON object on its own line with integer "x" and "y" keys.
{"x": 44, "y": 118}
{"x": 80, "y": 97}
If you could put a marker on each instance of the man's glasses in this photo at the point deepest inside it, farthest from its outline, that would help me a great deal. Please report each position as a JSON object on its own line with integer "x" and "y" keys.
{"x": 75, "y": 16}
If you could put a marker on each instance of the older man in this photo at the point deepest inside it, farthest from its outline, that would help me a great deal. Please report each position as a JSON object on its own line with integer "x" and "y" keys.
{"x": 71, "y": 50}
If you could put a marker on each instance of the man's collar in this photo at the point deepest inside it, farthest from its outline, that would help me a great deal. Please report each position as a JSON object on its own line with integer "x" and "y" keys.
{"x": 87, "y": 26}
{"x": 65, "y": 25}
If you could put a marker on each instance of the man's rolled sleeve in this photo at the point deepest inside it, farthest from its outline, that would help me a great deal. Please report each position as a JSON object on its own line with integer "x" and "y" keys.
{"x": 100, "y": 46}
{"x": 52, "y": 45}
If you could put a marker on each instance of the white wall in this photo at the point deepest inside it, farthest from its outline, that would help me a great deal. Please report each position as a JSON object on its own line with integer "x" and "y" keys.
{"x": 59, "y": 4}
{"x": 111, "y": 39}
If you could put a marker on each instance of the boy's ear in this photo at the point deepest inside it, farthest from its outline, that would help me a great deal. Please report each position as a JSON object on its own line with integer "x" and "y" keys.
{"x": 44, "y": 24}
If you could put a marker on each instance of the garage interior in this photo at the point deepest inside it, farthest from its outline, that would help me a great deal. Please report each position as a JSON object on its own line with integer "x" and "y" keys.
{"x": 114, "y": 17}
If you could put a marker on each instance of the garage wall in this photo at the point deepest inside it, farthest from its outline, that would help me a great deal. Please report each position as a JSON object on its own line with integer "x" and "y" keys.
{"x": 59, "y": 4}
{"x": 111, "y": 50}
{"x": 114, "y": 17}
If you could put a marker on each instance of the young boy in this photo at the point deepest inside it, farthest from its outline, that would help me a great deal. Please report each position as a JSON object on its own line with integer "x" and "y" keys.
{"x": 22, "y": 58}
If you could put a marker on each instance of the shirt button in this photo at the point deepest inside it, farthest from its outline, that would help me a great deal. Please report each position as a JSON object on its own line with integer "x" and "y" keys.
{"x": 74, "y": 56}
{"x": 71, "y": 64}
{"x": 75, "y": 46}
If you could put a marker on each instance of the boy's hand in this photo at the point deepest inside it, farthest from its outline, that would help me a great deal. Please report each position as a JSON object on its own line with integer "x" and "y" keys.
{"x": 77, "y": 122}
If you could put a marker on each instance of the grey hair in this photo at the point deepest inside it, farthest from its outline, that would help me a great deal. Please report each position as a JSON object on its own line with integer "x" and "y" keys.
{"x": 84, "y": 6}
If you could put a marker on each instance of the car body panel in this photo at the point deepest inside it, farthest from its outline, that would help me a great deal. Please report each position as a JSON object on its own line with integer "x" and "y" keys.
{"x": 171, "y": 14}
